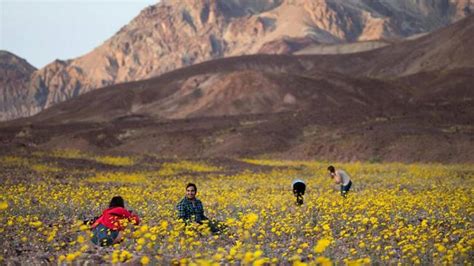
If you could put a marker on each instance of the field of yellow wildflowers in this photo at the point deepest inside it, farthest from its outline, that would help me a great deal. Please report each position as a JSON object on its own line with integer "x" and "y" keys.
{"x": 395, "y": 213}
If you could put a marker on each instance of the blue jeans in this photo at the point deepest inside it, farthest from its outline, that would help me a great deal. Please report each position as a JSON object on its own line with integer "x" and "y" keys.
{"x": 345, "y": 189}
{"x": 103, "y": 236}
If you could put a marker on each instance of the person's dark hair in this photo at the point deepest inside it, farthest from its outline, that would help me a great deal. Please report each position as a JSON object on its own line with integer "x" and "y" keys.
{"x": 299, "y": 188}
{"x": 117, "y": 201}
{"x": 331, "y": 169}
{"x": 191, "y": 185}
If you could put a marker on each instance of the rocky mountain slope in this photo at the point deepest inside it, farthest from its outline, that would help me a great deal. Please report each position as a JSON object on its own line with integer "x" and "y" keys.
{"x": 341, "y": 107}
{"x": 174, "y": 34}
{"x": 15, "y": 72}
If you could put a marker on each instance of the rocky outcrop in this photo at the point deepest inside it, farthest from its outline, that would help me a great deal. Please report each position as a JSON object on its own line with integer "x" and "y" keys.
{"x": 174, "y": 34}
{"x": 15, "y": 74}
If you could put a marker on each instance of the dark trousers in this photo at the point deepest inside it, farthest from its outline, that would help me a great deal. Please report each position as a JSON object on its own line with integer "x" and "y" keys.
{"x": 345, "y": 189}
{"x": 103, "y": 236}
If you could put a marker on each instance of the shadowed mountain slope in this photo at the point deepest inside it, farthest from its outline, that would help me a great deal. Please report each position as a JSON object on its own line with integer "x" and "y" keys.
{"x": 341, "y": 107}
{"x": 270, "y": 83}
{"x": 447, "y": 48}
{"x": 14, "y": 73}
{"x": 175, "y": 34}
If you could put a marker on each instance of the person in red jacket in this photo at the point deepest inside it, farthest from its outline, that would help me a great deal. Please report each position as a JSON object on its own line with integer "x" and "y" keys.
{"x": 108, "y": 228}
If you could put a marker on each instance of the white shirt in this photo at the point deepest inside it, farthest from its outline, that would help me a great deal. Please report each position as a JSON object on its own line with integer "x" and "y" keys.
{"x": 345, "y": 178}
{"x": 296, "y": 181}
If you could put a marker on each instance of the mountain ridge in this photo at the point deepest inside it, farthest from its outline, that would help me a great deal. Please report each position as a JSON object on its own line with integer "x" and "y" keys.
{"x": 14, "y": 73}
{"x": 171, "y": 34}
{"x": 325, "y": 107}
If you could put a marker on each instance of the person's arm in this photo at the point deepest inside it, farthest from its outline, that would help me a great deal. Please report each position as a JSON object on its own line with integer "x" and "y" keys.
{"x": 90, "y": 221}
{"x": 96, "y": 221}
{"x": 201, "y": 211}
{"x": 337, "y": 178}
{"x": 134, "y": 218}
{"x": 122, "y": 212}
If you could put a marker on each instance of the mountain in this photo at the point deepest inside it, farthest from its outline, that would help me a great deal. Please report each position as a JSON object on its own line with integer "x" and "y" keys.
{"x": 175, "y": 34}
{"x": 328, "y": 107}
{"x": 14, "y": 73}
{"x": 449, "y": 48}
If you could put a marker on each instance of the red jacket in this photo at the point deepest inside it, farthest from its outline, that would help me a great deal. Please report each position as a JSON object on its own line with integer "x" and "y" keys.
{"x": 114, "y": 218}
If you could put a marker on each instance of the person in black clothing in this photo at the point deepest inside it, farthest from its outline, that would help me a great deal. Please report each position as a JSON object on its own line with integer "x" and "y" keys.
{"x": 299, "y": 188}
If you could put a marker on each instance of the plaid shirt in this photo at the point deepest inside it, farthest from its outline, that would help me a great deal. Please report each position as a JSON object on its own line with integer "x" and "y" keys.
{"x": 190, "y": 212}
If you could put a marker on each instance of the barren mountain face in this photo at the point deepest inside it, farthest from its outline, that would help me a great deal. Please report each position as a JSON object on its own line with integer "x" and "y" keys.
{"x": 390, "y": 103}
{"x": 15, "y": 72}
{"x": 173, "y": 34}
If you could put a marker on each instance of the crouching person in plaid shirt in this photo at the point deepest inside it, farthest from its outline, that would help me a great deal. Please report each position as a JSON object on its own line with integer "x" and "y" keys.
{"x": 191, "y": 210}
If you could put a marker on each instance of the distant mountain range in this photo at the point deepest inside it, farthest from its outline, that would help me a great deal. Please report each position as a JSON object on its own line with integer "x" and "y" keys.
{"x": 175, "y": 34}
{"x": 410, "y": 101}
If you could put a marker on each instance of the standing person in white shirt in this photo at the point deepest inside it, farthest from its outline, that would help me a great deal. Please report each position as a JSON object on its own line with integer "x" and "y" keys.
{"x": 341, "y": 177}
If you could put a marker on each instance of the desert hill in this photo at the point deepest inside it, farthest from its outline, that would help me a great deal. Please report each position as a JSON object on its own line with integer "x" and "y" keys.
{"x": 175, "y": 34}
{"x": 341, "y": 107}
